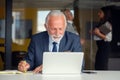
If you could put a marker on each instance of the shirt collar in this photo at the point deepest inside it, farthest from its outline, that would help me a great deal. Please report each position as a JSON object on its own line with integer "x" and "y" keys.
{"x": 70, "y": 21}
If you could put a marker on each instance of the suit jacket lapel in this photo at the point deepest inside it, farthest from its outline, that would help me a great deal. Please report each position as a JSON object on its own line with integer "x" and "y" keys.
{"x": 46, "y": 41}
{"x": 62, "y": 43}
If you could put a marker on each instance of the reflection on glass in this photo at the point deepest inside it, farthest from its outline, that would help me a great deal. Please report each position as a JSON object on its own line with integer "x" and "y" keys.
{"x": 22, "y": 28}
{"x": 2, "y": 28}
{"x": 41, "y": 20}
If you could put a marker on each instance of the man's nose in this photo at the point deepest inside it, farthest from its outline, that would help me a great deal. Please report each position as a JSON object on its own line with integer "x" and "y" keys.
{"x": 57, "y": 32}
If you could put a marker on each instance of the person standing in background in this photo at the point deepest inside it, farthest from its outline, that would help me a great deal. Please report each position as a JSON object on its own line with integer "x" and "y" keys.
{"x": 70, "y": 25}
{"x": 103, "y": 38}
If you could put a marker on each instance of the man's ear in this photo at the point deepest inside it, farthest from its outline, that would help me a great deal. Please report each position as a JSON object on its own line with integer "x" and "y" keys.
{"x": 45, "y": 26}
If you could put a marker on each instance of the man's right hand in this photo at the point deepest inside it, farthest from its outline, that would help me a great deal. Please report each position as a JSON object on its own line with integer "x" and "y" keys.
{"x": 23, "y": 66}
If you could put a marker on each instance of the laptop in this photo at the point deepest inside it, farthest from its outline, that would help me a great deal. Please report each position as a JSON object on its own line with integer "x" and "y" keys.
{"x": 62, "y": 62}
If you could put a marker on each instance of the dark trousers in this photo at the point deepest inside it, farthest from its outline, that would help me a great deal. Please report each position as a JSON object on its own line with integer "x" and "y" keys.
{"x": 102, "y": 55}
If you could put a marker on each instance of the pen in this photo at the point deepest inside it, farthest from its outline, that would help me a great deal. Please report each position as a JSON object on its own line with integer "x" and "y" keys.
{"x": 24, "y": 62}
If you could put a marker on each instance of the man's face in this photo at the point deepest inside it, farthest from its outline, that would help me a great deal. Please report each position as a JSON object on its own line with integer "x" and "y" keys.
{"x": 56, "y": 27}
{"x": 69, "y": 15}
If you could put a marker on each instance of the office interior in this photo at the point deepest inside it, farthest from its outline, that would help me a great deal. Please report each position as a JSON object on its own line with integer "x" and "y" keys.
{"x": 19, "y": 20}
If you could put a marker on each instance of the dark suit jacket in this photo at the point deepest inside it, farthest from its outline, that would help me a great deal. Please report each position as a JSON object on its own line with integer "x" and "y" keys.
{"x": 40, "y": 43}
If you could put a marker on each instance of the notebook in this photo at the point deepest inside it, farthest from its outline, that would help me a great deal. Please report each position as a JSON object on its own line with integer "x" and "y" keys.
{"x": 104, "y": 29}
{"x": 62, "y": 62}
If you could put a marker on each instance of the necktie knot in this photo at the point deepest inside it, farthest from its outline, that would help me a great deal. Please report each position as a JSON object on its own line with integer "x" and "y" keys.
{"x": 54, "y": 47}
{"x": 54, "y": 43}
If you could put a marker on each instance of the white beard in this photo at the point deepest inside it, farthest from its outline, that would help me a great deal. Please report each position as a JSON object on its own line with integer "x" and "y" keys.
{"x": 56, "y": 38}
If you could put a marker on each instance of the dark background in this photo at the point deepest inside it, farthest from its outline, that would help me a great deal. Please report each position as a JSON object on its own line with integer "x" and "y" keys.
{"x": 115, "y": 44}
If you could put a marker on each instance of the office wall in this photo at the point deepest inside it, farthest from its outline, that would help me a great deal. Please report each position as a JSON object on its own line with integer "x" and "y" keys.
{"x": 87, "y": 18}
{"x": 19, "y": 44}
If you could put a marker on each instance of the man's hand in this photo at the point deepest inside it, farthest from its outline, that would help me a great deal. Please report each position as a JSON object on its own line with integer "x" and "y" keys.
{"x": 38, "y": 69}
{"x": 23, "y": 66}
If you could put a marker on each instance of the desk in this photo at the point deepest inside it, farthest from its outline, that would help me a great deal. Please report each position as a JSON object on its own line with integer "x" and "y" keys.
{"x": 99, "y": 75}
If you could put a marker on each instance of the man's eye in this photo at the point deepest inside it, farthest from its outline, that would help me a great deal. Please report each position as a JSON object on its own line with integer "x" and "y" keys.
{"x": 51, "y": 28}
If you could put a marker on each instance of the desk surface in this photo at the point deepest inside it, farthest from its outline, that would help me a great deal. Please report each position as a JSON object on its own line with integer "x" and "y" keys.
{"x": 98, "y": 75}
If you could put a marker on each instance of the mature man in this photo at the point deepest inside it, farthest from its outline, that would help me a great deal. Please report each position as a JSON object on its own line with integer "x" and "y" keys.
{"x": 43, "y": 42}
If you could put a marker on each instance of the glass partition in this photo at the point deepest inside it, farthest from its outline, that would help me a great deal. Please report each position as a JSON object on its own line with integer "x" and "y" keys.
{"x": 28, "y": 19}
{"x": 2, "y": 32}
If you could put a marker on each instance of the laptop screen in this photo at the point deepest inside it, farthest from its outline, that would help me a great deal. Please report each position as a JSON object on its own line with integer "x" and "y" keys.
{"x": 62, "y": 62}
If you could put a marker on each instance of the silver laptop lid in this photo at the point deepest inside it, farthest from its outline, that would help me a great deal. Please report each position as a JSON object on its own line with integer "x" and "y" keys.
{"x": 62, "y": 62}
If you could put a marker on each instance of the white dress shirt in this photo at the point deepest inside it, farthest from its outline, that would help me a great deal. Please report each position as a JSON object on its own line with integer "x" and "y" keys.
{"x": 108, "y": 36}
{"x": 51, "y": 44}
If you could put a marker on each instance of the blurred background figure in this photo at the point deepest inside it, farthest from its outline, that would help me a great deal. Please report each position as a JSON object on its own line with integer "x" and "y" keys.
{"x": 70, "y": 25}
{"x": 103, "y": 36}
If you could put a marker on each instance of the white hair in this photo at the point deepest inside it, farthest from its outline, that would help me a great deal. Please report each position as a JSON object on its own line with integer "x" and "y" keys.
{"x": 55, "y": 13}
